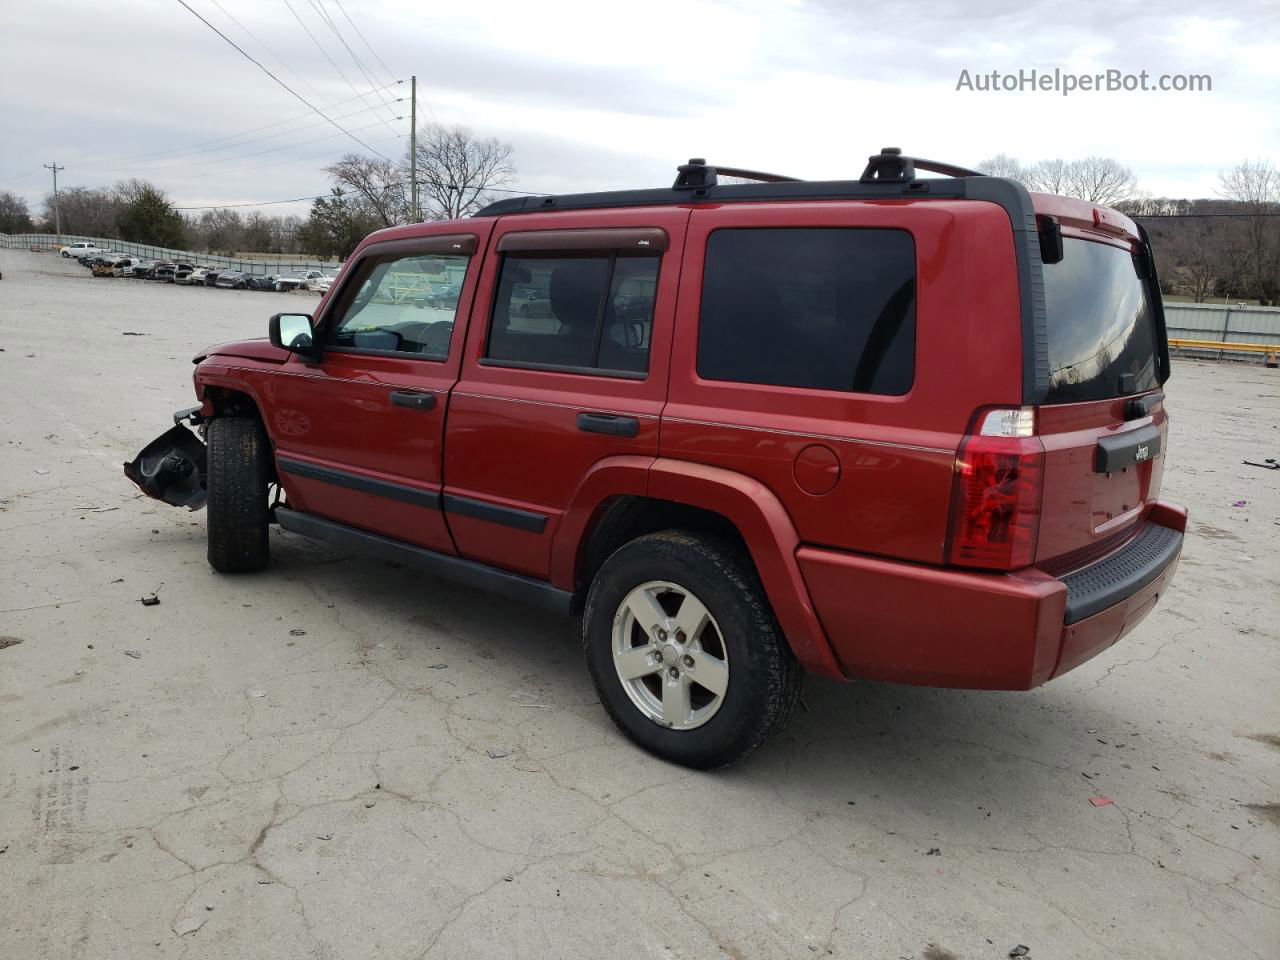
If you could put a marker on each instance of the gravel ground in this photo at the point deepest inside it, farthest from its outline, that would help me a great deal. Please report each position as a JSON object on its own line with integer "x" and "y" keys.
{"x": 342, "y": 759}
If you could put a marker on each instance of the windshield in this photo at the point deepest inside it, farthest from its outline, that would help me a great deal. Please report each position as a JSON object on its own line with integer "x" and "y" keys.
{"x": 1102, "y": 331}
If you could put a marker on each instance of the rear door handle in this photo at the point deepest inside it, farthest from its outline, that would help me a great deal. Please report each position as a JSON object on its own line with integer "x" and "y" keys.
{"x": 608, "y": 423}
{"x": 413, "y": 399}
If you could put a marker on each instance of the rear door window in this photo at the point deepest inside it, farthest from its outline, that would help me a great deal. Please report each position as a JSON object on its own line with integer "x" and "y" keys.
{"x": 1102, "y": 330}
{"x": 582, "y": 311}
{"x": 819, "y": 308}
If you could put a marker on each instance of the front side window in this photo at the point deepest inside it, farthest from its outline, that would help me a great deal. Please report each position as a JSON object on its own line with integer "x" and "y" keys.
{"x": 402, "y": 304}
{"x": 590, "y": 311}
{"x": 821, "y": 308}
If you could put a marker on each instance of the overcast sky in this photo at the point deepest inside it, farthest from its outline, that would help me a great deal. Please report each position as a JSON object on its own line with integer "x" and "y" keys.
{"x": 599, "y": 95}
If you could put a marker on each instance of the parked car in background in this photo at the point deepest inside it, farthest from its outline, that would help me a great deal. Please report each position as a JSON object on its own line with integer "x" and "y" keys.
{"x": 81, "y": 248}
{"x": 123, "y": 266}
{"x": 142, "y": 269}
{"x": 212, "y": 273}
{"x": 320, "y": 284}
{"x": 262, "y": 283}
{"x": 232, "y": 280}
{"x": 181, "y": 271}
{"x": 102, "y": 267}
{"x": 299, "y": 281}
{"x": 163, "y": 271}
{"x": 192, "y": 278}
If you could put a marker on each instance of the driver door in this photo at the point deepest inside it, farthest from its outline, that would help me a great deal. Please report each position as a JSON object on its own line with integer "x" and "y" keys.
{"x": 359, "y": 434}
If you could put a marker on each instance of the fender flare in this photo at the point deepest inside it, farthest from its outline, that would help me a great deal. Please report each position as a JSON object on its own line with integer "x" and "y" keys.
{"x": 749, "y": 505}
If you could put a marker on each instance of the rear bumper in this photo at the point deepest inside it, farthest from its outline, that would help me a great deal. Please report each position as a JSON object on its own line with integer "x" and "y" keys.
{"x": 904, "y": 623}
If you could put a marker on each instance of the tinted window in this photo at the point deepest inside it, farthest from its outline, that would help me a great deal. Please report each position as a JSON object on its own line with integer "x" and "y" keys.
{"x": 403, "y": 305}
{"x": 828, "y": 309}
{"x": 1100, "y": 324}
{"x": 587, "y": 311}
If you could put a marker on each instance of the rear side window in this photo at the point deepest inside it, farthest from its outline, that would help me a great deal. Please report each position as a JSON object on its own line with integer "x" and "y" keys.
{"x": 587, "y": 311}
{"x": 826, "y": 309}
{"x": 1102, "y": 331}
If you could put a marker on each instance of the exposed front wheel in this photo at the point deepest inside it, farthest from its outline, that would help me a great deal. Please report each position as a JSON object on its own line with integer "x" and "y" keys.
{"x": 685, "y": 652}
{"x": 239, "y": 470}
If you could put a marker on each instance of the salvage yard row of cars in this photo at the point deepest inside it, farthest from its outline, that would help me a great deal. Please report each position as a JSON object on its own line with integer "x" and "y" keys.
{"x": 107, "y": 263}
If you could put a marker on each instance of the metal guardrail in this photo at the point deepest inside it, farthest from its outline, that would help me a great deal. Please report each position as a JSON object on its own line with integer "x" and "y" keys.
{"x": 1270, "y": 352}
{"x": 261, "y": 268}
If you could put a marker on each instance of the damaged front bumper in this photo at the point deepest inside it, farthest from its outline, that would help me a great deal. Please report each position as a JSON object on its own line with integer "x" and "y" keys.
{"x": 172, "y": 466}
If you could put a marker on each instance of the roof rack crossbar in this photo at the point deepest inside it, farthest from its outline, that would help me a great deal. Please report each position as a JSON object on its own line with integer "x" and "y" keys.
{"x": 697, "y": 173}
{"x": 890, "y": 166}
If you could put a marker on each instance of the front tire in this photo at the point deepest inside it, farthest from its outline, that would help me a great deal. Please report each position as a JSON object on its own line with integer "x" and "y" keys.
{"x": 685, "y": 652}
{"x": 239, "y": 470}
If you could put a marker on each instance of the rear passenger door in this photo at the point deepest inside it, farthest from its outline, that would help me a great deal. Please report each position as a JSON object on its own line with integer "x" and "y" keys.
{"x": 566, "y": 365}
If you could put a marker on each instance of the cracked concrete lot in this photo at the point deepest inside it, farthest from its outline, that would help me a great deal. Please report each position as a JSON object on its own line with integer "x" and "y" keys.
{"x": 342, "y": 759}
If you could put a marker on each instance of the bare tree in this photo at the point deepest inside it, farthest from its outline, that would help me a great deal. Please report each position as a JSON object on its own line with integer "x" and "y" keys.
{"x": 1100, "y": 180}
{"x": 85, "y": 212}
{"x": 1255, "y": 186}
{"x": 456, "y": 170}
{"x": 1003, "y": 165}
{"x": 375, "y": 183}
{"x": 1047, "y": 176}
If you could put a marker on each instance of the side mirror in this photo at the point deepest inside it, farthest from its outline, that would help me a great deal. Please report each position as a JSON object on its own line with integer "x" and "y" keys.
{"x": 292, "y": 332}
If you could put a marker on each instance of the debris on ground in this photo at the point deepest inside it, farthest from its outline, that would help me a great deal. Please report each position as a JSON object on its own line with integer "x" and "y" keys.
{"x": 297, "y": 633}
{"x": 438, "y": 666}
{"x": 136, "y": 654}
{"x": 1021, "y": 950}
{"x": 1101, "y": 801}
{"x": 934, "y": 852}
{"x": 6, "y": 642}
{"x": 257, "y": 694}
{"x": 1240, "y": 503}
{"x": 527, "y": 699}
{"x": 497, "y": 753}
{"x": 133, "y": 333}
{"x": 324, "y": 836}
{"x": 1267, "y": 464}
{"x": 370, "y": 803}
{"x": 188, "y": 925}
{"x": 151, "y": 600}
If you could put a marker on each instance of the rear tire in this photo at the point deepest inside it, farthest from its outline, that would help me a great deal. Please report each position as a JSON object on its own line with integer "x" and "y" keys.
{"x": 739, "y": 649}
{"x": 239, "y": 470}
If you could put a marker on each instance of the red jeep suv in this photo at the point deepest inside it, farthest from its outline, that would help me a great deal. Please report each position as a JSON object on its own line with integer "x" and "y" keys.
{"x": 903, "y": 428}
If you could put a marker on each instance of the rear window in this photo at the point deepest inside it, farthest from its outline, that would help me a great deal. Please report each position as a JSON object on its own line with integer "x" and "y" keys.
{"x": 825, "y": 309}
{"x": 1102, "y": 332}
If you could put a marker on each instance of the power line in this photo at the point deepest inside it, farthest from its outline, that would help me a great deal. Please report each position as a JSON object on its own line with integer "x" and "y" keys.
{"x": 271, "y": 53}
{"x": 295, "y": 93}
{"x": 185, "y": 161}
{"x": 195, "y": 147}
{"x": 1193, "y": 216}
{"x": 326, "y": 196}
{"x": 302, "y": 23}
{"x": 318, "y": 6}
{"x": 360, "y": 34}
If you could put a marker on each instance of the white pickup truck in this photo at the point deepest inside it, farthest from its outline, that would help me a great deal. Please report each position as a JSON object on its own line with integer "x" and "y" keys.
{"x": 81, "y": 248}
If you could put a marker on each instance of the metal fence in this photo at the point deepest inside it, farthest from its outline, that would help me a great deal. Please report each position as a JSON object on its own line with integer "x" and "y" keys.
{"x": 262, "y": 267}
{"x": 1226, "y": 323}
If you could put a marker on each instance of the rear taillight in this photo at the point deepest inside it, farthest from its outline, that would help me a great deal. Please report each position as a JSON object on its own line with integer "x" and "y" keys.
{"x": 995, "y": 503}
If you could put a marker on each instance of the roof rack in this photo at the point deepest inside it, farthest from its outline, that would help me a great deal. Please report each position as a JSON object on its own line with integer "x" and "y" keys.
{"x": 887, "y": 173}
{"x": 696, "y": 173}
{"x": 889, "y": 165}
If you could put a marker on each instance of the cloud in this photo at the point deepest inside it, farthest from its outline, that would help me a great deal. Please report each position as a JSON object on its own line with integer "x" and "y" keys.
{"x": 595, "y": 95}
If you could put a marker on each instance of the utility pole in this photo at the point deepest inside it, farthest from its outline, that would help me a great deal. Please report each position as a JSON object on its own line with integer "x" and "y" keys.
{"x": 57, "y": 215}
{"x": 413, "y": 148}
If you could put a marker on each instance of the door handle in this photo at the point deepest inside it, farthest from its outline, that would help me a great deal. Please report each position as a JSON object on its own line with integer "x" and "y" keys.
{"x": 608, "y": 423}
{"x": 413, "y": 399}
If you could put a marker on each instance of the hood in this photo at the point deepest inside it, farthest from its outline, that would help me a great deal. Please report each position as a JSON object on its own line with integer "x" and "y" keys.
{"x": 260, "y": 349}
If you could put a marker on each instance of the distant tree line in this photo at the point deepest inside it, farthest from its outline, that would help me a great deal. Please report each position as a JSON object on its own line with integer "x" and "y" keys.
{"x": 1225, "y": 248}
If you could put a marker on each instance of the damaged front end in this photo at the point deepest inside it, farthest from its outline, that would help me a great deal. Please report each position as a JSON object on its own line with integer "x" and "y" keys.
{"x": 172, "y": 466}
